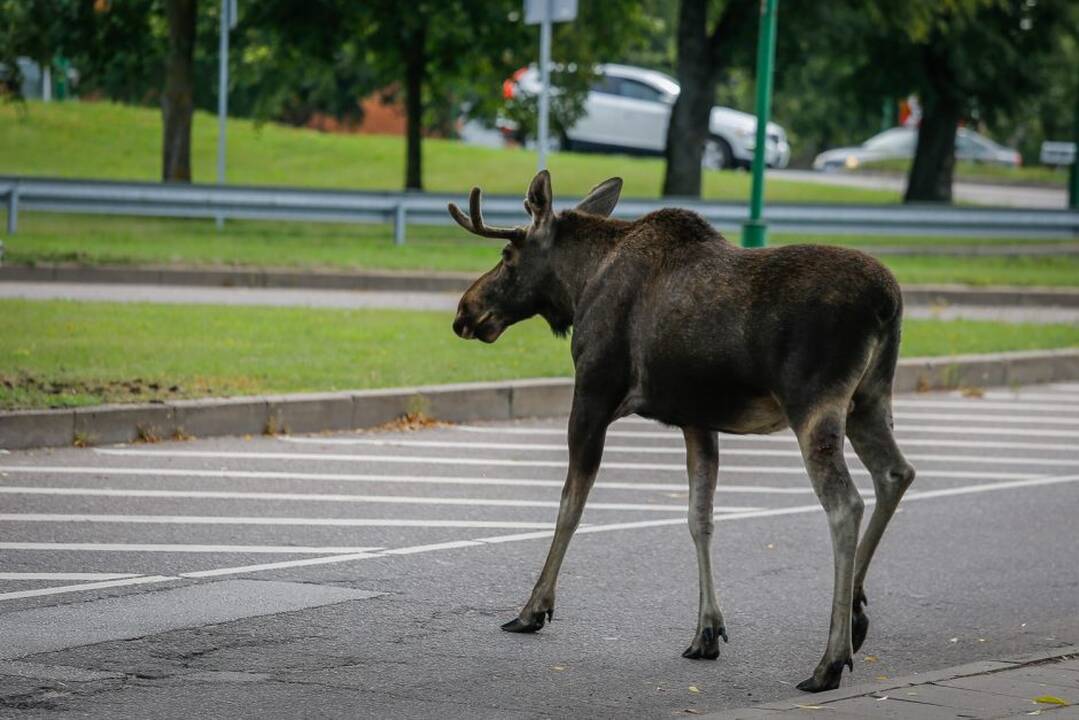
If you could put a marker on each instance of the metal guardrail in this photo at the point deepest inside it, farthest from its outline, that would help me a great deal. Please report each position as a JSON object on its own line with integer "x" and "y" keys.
{"x": 410, "y": 208}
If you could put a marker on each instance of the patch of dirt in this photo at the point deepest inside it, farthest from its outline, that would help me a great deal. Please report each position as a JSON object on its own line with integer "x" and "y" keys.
{"x": 408, "y": 423}
{"x": 114, "y": 390}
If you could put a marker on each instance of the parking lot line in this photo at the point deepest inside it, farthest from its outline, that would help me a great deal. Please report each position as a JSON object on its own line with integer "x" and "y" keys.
{"x": 240, "y": 569}
{"x": 100, "y": 471}
{"x": 980, "y": 403}
{"x": 263, "y": 520}
{"x": 902, "y": 432}
{"x": 335, "y": 498}
{"x": 666, "y": 450}
{"x": 59, "y": 589}
{"x": 175, "y": 548}
{"x": 65, "y": 576}
{"x": 679, "y": 468}
{"x": 675, "y": 448}
{"x": 965, "y": 417}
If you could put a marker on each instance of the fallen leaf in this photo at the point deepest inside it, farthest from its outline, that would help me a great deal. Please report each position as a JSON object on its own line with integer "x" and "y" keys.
{"x": 871, "y": 658}
{"x": 954, "y": 640}
{"x": 694, "y": 689}
{"x": 1051, "y": 700}
{"x": 558, "y": 668}
{"x": 882, "y": 677}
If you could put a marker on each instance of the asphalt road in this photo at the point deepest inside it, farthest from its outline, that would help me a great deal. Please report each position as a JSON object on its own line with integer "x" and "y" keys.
{"x": 978, "y": 193}
{"x": 366, "y": 574}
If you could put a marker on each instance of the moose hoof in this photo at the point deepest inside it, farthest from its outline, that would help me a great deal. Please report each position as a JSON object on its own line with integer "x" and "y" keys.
{"x": 825, "y": 677}
{"x": 706, "y": 645}
{"x": 859, "y": 626}
{"x": 528, "y": 624}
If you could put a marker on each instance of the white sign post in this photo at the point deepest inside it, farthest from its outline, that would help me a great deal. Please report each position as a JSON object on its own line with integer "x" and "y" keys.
{"x": 544, "y": 13}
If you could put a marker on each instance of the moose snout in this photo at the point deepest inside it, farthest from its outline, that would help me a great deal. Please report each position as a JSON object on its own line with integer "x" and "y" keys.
{"x": 463, "y": 326}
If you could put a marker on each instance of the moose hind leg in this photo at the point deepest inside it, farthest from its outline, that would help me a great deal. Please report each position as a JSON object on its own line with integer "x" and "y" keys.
{"x": 702, "y": 459}
{"x": 869, "y": 428}
{"x": 820, "y": 436}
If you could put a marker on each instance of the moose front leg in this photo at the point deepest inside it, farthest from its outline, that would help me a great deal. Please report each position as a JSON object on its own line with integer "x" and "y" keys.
{"x": 702, "y": 458}
{"x": 821, "y": 440}
{"x": 587, "y": 430}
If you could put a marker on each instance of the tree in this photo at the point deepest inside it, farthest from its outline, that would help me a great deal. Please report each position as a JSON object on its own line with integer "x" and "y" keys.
{"x": 702, "y": 57}
{"x": 178, "y": 98}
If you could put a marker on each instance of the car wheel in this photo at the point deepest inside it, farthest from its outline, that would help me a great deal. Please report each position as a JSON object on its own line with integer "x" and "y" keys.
{"x": 717, "y": 154}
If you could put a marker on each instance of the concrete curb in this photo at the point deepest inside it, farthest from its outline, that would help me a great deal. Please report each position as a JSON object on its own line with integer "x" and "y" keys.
{"x": 447, "y": 282}
{"x": 466, "y": 402}
{"x": 820, "y": 701}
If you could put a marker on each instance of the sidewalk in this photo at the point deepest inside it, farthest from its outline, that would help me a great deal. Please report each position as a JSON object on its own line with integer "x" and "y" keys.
{"x": 1046, "y": 684}
{"x": 404, "y": 300}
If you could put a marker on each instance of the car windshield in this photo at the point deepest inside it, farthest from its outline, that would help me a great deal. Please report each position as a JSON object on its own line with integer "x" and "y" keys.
{"x": 894, "y": 140}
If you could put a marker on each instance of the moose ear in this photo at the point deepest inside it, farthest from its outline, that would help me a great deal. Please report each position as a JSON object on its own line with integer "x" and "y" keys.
{"x": 602, "y": 198}
{"x": 539, "y": 199}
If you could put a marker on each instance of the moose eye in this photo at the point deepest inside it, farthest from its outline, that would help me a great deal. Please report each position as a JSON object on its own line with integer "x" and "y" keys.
{"x": 507, "y": 254}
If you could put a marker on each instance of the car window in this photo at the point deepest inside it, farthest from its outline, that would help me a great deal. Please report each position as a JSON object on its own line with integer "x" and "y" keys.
{"x": 638, "y": 91}
{"x": 895, "y": 140}
{"x": 607, "y": 85}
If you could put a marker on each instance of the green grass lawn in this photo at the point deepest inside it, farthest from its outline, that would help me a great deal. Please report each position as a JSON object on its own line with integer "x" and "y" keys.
{"x": 109, "y": 240}
{"x": 967, "y": 170}
{"x": 60, "y": 353}
{"x": 105, "y": 140}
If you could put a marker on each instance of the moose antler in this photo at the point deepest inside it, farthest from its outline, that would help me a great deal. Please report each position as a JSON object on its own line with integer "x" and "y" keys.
{"x": 476, "y": 226}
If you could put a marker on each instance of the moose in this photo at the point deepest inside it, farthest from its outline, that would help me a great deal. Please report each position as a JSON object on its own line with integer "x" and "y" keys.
{"x": 673, "y": 323}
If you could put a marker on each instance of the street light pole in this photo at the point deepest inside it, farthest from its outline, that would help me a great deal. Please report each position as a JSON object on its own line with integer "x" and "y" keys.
{"x": 228, "y": 21}
{"x": 545, "y": 85}
{"x": 755, "y": 231}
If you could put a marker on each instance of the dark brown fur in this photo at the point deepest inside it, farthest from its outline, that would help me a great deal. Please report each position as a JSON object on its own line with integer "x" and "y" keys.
{"x": 672, "y": 322}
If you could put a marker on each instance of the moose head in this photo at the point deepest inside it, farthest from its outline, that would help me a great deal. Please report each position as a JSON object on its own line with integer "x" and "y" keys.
{"x": 525, "y": 281}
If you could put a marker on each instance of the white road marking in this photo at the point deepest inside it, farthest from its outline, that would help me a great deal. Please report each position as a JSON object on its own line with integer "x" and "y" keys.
{"x": 262, "y": 520}
{"x": 1058, "y": 397}
{"x": 84, "y": 586}
{"x": 103, "y": 472}
{"x": 676, "y": 449}
{"x": 965, "y": 417}
{"x": 976, "y": 404}
{"x": 217, "y": 572}
{"x": 902, "y": 432}
{"x": 774, "y": 512}
{"x": 335, "y": 498}
{"x": 519, "y": 537}
{"x": 65, "y": 576}
{"x": 508, "y": 462}
{"x": 173, "y": 548}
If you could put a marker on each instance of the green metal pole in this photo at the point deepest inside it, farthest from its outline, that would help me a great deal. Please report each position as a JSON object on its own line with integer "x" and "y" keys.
{"x": 755, "y": 231}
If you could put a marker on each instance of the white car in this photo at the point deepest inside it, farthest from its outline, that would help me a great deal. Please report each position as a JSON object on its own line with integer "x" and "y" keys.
{"x": 628, "y": 109}
{"x": 899, "y": 143}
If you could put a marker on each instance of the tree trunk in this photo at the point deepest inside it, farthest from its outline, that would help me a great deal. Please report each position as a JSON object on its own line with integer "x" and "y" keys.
{"x": 931, "y": 173}
{"x": 688, "y": 128}
{"x": 415, "y": 48}
{"x": 701, "y": 60}
{"x": 177, "y": 102}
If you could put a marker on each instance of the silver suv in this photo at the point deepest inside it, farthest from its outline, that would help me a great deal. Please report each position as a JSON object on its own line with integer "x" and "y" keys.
{"x": 628, "y": 109}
